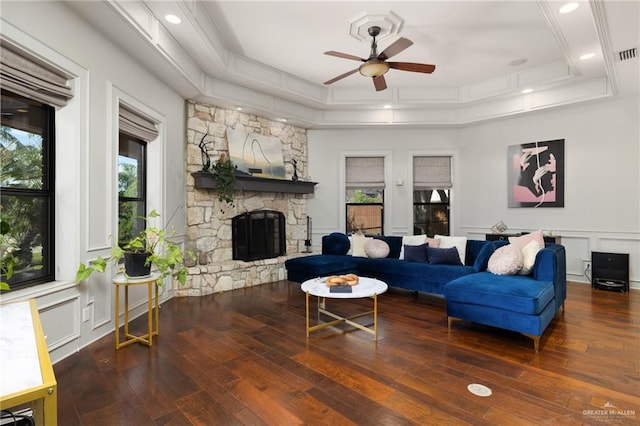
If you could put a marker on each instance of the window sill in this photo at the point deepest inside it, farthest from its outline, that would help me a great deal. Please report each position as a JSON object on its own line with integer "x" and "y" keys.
{"x": 36, "y": 291}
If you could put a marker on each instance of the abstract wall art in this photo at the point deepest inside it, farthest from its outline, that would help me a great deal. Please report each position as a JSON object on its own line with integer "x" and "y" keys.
{"x": 257, "y": 155}
{"x": 536, "y": 174}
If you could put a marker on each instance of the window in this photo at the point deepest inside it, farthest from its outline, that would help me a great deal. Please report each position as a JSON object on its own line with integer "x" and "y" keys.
{"x": 132, "y": 192}
{"x": 135, "y": 131}
{"x": 431, "y": 194}
{"x": 365, "y": 195}
{"x": 27, "y": 178}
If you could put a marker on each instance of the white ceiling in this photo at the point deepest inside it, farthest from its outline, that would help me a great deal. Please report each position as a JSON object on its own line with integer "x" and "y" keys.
{"x": 267, "y": 56}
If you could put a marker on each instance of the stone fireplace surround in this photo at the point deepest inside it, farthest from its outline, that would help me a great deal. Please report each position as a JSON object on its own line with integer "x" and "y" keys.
{"x": 209, "y": 220}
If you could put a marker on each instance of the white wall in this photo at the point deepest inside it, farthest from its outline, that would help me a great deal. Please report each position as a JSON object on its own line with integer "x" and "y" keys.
{"x": 86, "y": 133}
{"x": 602, "y": 177}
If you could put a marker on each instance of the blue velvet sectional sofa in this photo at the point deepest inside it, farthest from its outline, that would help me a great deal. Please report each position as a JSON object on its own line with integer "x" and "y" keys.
{"x": 520, "y": 303}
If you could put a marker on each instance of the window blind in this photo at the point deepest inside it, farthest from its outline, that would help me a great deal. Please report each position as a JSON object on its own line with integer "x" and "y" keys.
{"x": 365, "y": 172}
{"x": 134, "y": 124}
{"x": 28, "y": 76}
{"x": 431, "y": 173}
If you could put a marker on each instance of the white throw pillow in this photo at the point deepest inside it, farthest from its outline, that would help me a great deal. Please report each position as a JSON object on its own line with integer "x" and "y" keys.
{"x": 358, "y": 243}
{"x": 507, "y": 260}
{"x": 411, "y": 240}
{"x": 458, "y": 242}
{"x": 529, "y": 253}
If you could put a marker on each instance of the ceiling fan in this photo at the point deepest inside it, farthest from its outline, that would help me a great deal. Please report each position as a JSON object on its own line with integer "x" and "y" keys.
{"x": 376, "y": 65}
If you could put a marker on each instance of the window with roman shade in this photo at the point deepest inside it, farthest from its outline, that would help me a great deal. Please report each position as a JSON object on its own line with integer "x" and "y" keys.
{"x": 31, "y": 91}
{"x": 432, "y": 186}
{"x": 364, "y": 184}
{"x": 365, "y": 172}
{"x": 134, "y": 124}
{"x": 136, "y": 131}
{"x": 25, "y": 75}
{"x": 431, "y": 173}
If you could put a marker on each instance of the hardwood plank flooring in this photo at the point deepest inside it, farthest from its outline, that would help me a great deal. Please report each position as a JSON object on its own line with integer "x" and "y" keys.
{"x": 242, "y": 358}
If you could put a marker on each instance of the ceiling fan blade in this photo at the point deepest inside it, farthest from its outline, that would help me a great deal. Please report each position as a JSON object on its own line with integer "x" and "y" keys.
{"x": 380, "y": 83}
{"x": 394, "y": 48}
{"x": 341, "y": 76}
{"x": 410, "y": 66}
{"x": 344, "y": 55}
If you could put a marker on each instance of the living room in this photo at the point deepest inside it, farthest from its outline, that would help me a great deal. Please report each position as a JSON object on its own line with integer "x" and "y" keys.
{"x": 600, "y": 132}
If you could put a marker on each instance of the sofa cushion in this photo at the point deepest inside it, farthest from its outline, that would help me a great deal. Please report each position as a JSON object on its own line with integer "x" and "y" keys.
{"x": 443, "y": 256}
{"x": 523, "y": 240}
{"x": 358, "y": 242}
{"x": 529, "y": 253}
{"x": 506, "y": 260}
{"x": 412, "y": 240}
{"x": 335, "y": 243}
{"x": 482, "y": 258}
{"x": 459, "y": 243}
{"x": 321, "y": 265}
{"x": 415, "y": 253}
{"x": 515, "y": 293}
{"x": 376, "y": 249}
{"x": 394, "y": 242}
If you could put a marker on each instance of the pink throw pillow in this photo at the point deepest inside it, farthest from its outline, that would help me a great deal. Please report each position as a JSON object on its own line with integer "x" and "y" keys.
{"x": 525, "y": 239}
{"x": 507, "y": 260}
{"x": 433, "y": 242}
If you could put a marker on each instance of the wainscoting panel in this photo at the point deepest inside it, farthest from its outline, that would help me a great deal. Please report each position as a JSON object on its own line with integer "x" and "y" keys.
{"x": 59, "y": 314}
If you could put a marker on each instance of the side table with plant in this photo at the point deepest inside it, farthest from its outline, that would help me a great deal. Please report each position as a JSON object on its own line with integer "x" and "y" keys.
{"x": 153, "y": 245}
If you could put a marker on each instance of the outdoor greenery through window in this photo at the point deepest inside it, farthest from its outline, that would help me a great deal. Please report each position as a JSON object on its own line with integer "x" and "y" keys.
{"x": 432, "y": 184}
{"x": 132, "y": 197}
{"x": 364, "y": 195}
{"x": 26, "y": 191}
{"x": 431, "y": 212}
{"x": 365, "y": 211}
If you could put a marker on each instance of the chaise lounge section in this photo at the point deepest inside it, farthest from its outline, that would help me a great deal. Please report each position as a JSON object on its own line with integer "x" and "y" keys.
{"x": 522, "y": 303}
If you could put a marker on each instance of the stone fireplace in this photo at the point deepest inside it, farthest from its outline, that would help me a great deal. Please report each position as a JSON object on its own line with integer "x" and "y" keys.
{"x": 210, "y": 222}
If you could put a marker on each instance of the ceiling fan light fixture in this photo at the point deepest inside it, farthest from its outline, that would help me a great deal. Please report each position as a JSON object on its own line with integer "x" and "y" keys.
{"x": 373, "y": 68}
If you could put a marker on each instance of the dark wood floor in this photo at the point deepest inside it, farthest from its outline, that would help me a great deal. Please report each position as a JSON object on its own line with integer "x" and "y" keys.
{"x": 242, "y": 357}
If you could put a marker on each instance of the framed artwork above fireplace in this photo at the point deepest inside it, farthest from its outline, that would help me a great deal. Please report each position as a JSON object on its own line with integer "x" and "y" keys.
{"x": 256, "y": 155}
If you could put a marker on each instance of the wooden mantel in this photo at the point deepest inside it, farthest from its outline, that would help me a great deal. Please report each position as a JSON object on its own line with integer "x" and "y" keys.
{"x": 205, "y": 180}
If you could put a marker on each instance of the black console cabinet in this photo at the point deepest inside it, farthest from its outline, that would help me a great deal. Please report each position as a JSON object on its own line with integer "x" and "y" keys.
{"x": 500, "y": 237}
{"x": 610, "y": 271}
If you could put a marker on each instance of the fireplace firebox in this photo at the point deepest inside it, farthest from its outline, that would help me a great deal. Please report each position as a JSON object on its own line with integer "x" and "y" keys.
{"x": 258, "y": 234}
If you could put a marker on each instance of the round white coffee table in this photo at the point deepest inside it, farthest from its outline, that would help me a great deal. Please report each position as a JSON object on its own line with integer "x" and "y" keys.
{"x": 366, "y": 287}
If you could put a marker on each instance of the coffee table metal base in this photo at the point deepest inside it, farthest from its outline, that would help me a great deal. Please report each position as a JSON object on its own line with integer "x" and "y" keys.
{"x": 340, "y": 319}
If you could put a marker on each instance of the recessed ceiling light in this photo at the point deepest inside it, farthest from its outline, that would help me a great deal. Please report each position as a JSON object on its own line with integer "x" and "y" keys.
{"x": 587, "y": 56}
{"x": 525, "y": 91}
{"x": 173, "y": 19}
{"x": 386, "y": 106}
{"x": 238, "y": 108}
{"x": 569, "y": 7}
{"x": 283, "y": 120}
{"x": 517, "y": 62}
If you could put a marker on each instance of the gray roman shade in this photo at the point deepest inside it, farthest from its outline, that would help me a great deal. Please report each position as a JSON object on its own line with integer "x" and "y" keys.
{"x": 25, "y": 75}
{"x": 134, "y": 124}
{"x": 365, "y": 172}
{"x": 431, "y": 173}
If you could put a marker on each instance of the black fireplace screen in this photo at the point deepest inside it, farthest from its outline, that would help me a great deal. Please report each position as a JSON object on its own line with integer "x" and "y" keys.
{"x": 258, "y": 235}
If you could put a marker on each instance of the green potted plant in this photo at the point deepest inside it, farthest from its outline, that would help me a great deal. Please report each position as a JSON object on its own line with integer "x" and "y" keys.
{"x": 152, "y": 246}
{"x": 224, "y": 173}
{"x": 8, "y": 246}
